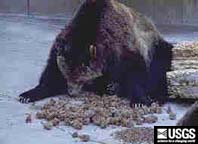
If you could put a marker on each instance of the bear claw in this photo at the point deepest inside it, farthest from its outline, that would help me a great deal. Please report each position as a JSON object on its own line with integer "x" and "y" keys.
{"x": 24, "y": 100}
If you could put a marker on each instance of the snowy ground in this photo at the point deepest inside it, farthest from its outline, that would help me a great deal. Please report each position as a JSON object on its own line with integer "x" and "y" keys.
{"x": 24, "y": 47}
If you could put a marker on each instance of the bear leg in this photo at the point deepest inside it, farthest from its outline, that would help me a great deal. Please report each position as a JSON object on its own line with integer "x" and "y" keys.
{"x": 158, "y": 89}
{"x": 160, "y": 64}
{"x": 51, "y": 83}
{"x": 132, "y": 77}
{"x": 134, "y": 87}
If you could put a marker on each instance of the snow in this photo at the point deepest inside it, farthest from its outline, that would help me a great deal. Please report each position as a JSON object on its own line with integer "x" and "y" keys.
{"x": 24, "y": 45}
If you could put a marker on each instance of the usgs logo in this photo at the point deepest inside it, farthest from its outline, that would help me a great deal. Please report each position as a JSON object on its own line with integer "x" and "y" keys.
{"x": 175, "y": 135}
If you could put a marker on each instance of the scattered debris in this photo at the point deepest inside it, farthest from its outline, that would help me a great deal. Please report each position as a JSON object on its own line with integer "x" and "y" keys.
{"x": 77, "y": 124}
{"x": 172, "y": 116}
{"x": 48, "y": 125}
{"x": 28, "y": 118}
{"x": 75, "y": 135}
{"x": 136, "y": 135}
{"x": 55, "y": 122}
{"x": 150, "y": 119}
{"x": 169, "y": 110}
{"x": 101, "y": 111}
{"x": 84, "y": 138}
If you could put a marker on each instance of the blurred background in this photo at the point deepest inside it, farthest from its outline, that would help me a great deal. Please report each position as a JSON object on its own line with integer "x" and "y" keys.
{"x": 182, "y": 12}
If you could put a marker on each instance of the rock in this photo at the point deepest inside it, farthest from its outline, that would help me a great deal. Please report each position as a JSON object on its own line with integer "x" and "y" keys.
{"x": 55, "y": 121}
{"x": 185, "y": 50}
{"x": 75, "y": 135}
{"x": 40, "y": 115}
{"x": 48, "y": 126}
{"x": 183, "y": 79}
{"x": 169, "y": 110}
{"x": 183, "y": 84}
{"x": 84, "y": 138}
{"x": 150, "y": 119}
{"x": 184, "y": 64}
{"x": 140, "y": 121}
{"x": 77, "y": 124}
{"x": 28, "y": 118}
{"x": 172, "y": 116}
{"x": 155, "y": 108}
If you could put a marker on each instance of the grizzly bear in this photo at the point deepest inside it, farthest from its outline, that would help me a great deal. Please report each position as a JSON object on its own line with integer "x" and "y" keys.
{"x": 115, "y": 41}
{"x": 191, "y": 116}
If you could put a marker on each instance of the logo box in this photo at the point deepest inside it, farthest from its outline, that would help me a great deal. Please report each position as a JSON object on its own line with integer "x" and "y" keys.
{"x": 175, "y": 135}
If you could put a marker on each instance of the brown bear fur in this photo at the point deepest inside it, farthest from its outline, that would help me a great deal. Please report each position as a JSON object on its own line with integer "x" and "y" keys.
{"x": 110, "y": 38}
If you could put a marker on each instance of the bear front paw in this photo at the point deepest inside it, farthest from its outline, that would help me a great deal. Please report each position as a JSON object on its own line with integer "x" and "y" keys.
{"x": 24, "y": 99}
{"x": 27, "y": 97}
{"x": 140, "y": 102}
{"x": 33, "y": 95}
